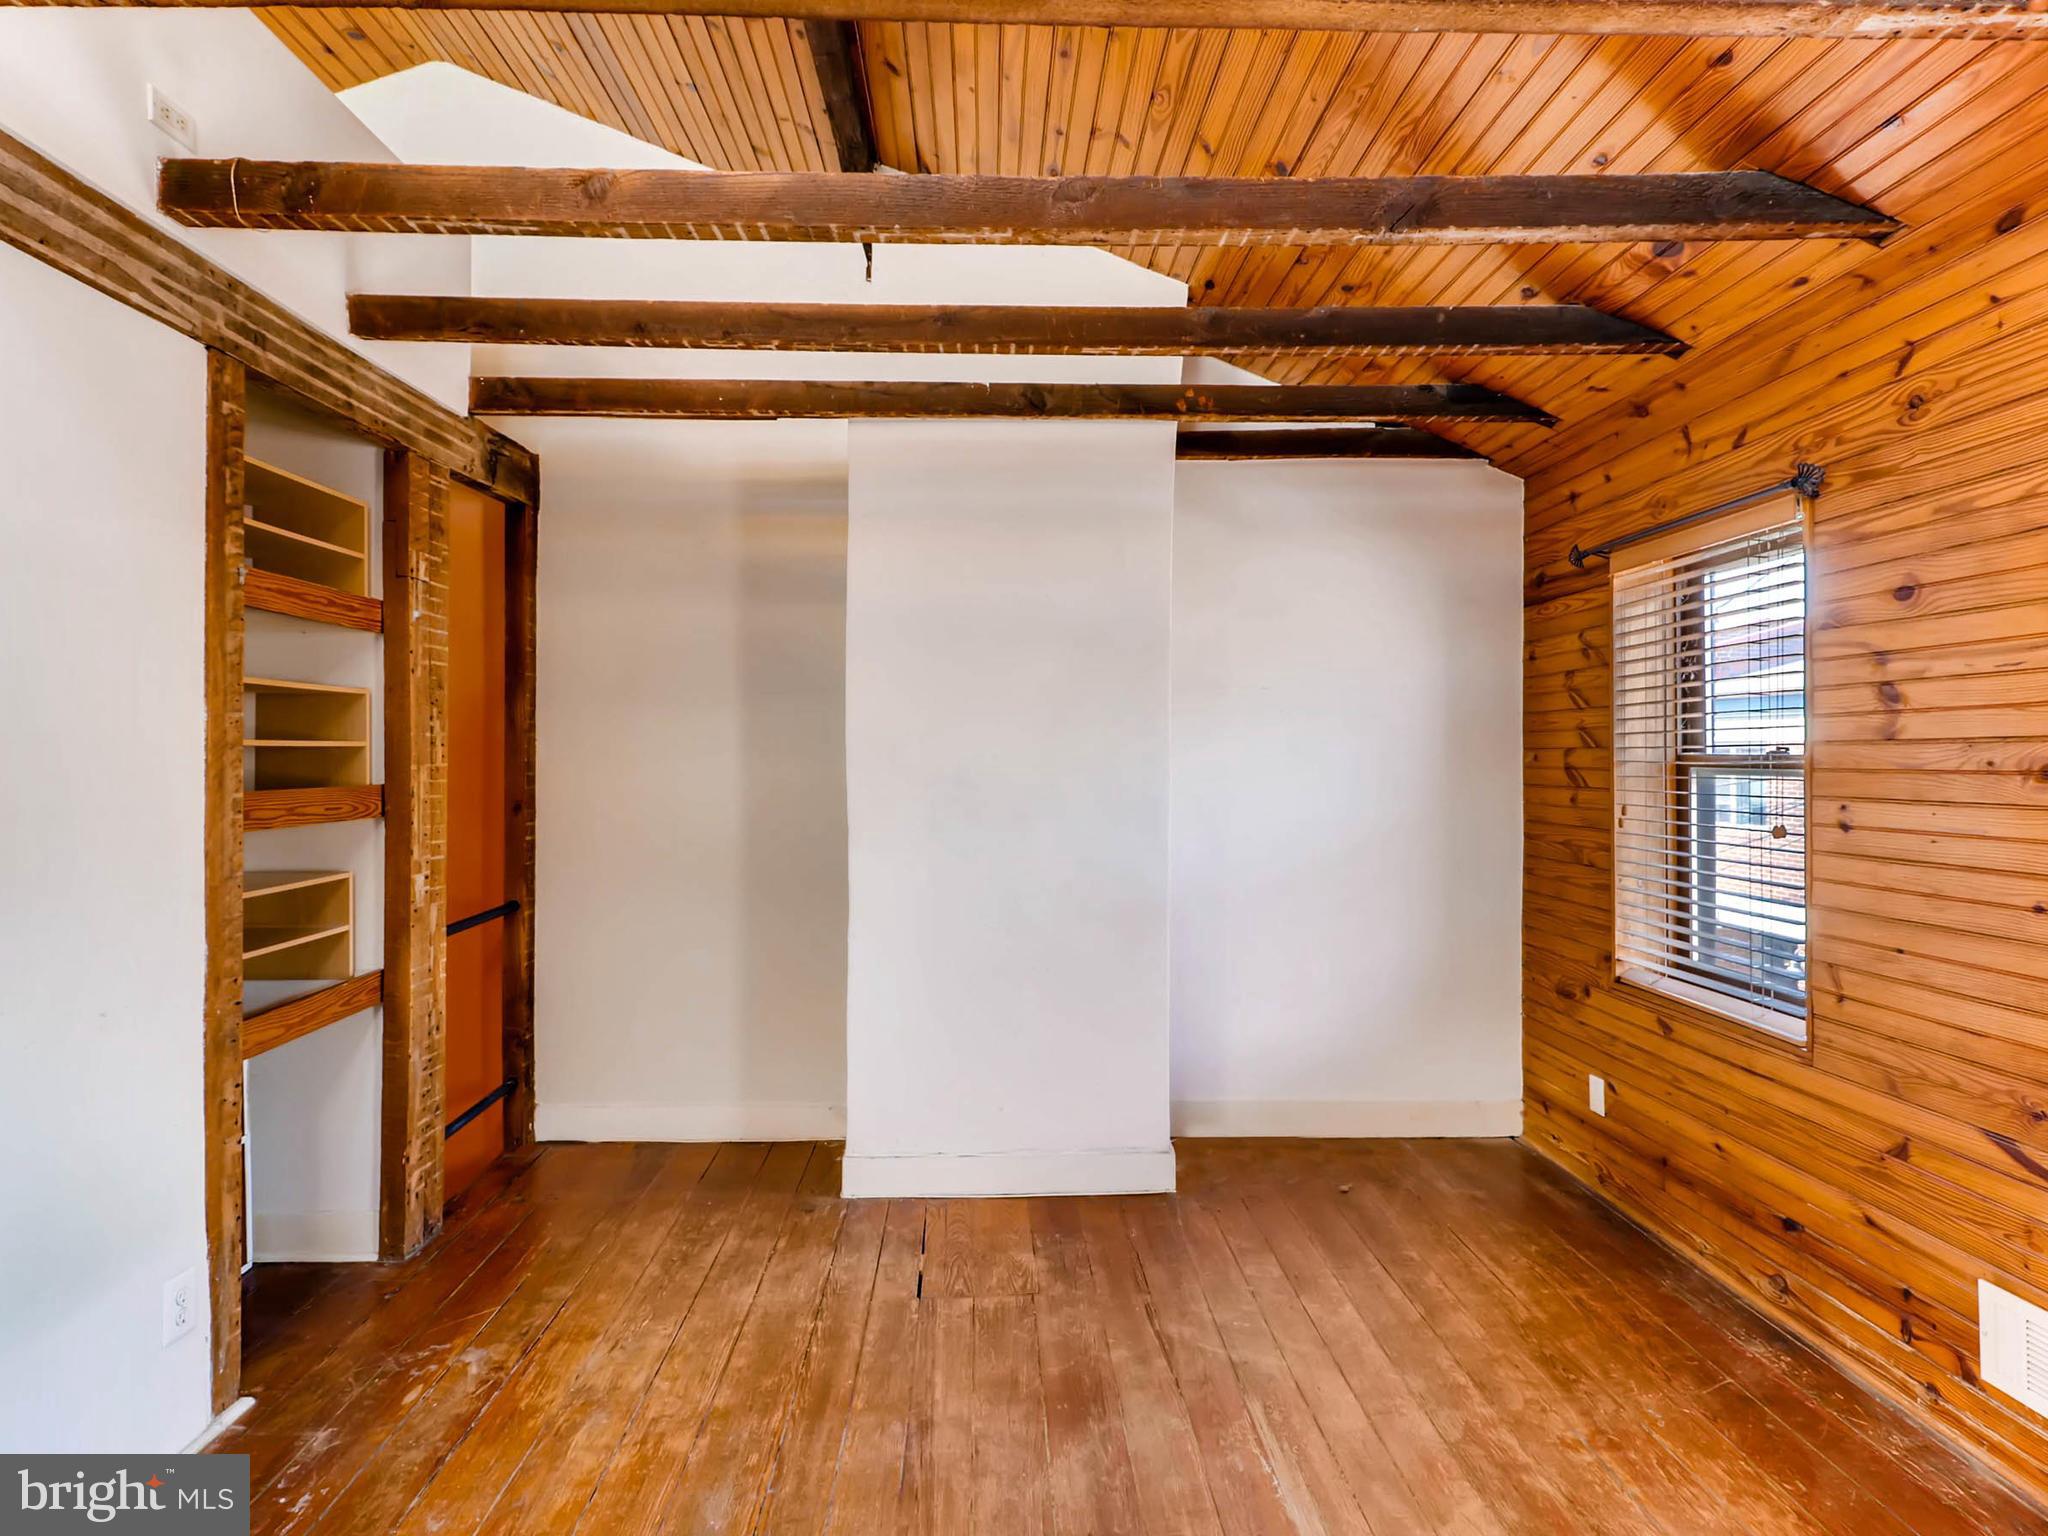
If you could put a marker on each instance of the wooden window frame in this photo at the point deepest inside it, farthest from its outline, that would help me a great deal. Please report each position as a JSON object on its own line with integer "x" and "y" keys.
{"x": 1734, "y": 1018}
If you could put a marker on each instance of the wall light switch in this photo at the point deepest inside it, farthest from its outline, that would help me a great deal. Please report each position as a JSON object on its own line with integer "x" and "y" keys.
{"x": 1596, "y": 1094}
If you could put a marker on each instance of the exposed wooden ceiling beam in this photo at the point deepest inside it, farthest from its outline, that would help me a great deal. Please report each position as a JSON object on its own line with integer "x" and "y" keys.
{"x": 835, "y": 53}
{"x": 1432, "y": 331}
{"x": 1695, "y": 18}
{"x": 784, "y": 399}
{"x": 1072, "y": 210}
{"x": 1224, "y": 444}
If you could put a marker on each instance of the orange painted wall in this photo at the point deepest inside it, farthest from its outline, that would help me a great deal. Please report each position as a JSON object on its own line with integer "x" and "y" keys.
{"x": 476, "y": 824}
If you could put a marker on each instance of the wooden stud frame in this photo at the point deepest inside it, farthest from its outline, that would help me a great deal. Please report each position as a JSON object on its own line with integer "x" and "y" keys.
{"x": 412, "y": 985}
{"x": 415, "y": 850}
{"x": 226, "y": 1241}
{"x": 522, "y": 548}
{"x": 56, "y": 218}
{"x": 53, "y": 216}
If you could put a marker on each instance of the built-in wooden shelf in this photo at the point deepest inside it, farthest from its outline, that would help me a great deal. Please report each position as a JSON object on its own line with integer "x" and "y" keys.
{"x": 286, "y": 1022}
{"x": 299, "y": 599}
{"x": 296, "y": 527}
{"x": 266, "y": 810}
{"x": 305, "y": 735}
{"x": 298, "y": 925}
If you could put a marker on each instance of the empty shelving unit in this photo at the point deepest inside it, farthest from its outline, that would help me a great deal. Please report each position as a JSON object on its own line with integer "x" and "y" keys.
{"x": 298, "y": 925}
{"x": 300, "y": 529}
{"x": 305, "y": 735}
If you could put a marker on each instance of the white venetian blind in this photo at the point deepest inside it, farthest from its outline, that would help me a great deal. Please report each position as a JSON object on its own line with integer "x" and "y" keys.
{"x": 1710, "y": 770}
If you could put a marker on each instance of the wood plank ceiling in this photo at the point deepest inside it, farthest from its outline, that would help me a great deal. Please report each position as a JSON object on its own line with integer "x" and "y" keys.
{"x": 1890, "y": 124}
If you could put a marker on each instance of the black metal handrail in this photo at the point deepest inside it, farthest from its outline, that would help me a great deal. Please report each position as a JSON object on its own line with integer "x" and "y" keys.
{"x": 503, "y": 1090}
{"x": 478, "y": 919}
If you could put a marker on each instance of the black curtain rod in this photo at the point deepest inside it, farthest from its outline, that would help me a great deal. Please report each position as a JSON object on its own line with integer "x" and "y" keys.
{"x": 1806, "y": 479}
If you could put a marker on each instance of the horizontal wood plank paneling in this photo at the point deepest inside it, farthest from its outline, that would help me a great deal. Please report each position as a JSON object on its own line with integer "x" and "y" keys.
{"x": 1860, "y": 1190}
{"x": 1887, "y": 124}
{"x": 1768, "y": 18}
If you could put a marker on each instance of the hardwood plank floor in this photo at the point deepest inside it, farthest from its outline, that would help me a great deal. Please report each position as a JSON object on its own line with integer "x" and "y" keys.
{"x": 1324, "y": 1338}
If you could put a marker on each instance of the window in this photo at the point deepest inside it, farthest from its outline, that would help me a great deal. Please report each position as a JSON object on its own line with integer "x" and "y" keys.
{"x": 1710, "y": 771}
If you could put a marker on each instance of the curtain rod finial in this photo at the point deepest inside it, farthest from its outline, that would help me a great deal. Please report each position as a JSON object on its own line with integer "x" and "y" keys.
{"x": 1806, "y": 478}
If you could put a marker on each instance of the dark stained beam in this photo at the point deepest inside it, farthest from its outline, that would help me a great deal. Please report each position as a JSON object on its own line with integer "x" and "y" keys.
{"x": 1000, "y": 328}
{"x": 835, "y": 54}
{"x": 1224, "y": 444}
{"x": 1691, "y": 18}
{"x": 786, "y": 399}
{"x": 1014, "y": 210}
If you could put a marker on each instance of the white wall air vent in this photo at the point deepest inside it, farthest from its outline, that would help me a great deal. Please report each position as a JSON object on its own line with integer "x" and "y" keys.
{"x": 2014, "y": 1338}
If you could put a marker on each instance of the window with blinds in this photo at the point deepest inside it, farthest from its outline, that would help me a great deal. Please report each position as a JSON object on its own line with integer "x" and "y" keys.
{"x": 1710, "y": 771}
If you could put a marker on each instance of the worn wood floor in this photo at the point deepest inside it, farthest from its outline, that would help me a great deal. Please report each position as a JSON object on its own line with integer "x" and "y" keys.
{"x": 1378, "y": 1337}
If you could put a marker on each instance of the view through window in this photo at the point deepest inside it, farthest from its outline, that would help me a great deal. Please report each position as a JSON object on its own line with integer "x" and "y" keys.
{"x": 1710, "y": 775}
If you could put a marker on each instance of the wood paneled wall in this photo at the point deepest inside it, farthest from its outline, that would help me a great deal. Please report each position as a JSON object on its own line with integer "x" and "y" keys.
{"x": 1859, "y": 1190}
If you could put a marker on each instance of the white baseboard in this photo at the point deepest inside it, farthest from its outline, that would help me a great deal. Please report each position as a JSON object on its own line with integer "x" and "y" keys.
{"x": 217, "y": 1423}
{"x": 1115, "y": 1171}
{"x": 1351, "y": 1118}
{"x": 689, "y": 1122}
{"x": 313, "y": 1237}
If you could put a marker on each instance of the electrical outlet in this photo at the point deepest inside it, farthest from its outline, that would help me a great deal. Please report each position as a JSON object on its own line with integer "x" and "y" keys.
{"x": 173, "y": 120}
{"x": 1596, "y": 1094}
{"x": 181, "y": 1305}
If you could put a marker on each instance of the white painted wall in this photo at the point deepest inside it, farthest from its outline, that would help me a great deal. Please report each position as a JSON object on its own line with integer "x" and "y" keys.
{"x": 102, "y": 927}
{"x": 692, "y": 972}
{"x": 74, "y": 84}
{"x": 1346, "y": 799}
{"x": 102, "y": 941}
{"x": 1284, "y": 1021}
{"x": 1007, "y": 684}
{"x": 692, "y": 860}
